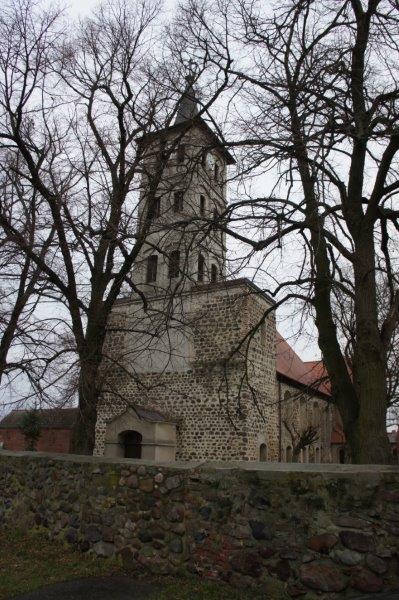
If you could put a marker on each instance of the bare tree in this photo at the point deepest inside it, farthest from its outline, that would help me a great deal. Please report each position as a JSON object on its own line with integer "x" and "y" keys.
{"x": 300, "y": 438}
{"x": 343, "y": 309}
{"x": 22, "y": 332}
{"x": 316, "y": 104}
{"x": 77, "y": 111}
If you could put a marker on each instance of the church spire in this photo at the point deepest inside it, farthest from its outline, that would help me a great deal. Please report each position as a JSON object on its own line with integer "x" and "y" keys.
{"x": 187, "y": 107}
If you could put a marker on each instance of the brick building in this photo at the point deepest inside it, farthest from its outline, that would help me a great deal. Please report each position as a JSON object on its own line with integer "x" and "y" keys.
{"x": 56, "y": 430}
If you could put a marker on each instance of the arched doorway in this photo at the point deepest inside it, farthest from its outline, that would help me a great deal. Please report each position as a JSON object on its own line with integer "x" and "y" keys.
{"x": 288, "y": 454}
{"x": 342, "y": 455}
{"x": 263, "y": 453}
{"x": 131, "y": 443}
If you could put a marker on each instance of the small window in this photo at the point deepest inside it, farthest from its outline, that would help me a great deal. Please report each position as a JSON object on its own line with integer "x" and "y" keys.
{"x": 174, "y": 264}
{"x": 263, "y": 453}
{"x": 154, "y": 209}
{"x": 215, "y": 214}
{"x": 214, "y": 273}
{"x": 202, "y": 205}
{"x": 178, "y": 198}
{"x": 341, "y": 456}
{"x": 181, "y": 153}
{"x": 217, "y": 171}
{"x": 201, "y": 268}
{"x": 288, "y": 454}
{"x": 152, "y": 266}
{"x": 203, "y": 159}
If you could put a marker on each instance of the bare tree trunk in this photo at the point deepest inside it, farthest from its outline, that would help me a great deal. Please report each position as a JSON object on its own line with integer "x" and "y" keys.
{"x": 368, "y": 438}
{"x": 85, "y": 427}
{"x": 89, "y": 390}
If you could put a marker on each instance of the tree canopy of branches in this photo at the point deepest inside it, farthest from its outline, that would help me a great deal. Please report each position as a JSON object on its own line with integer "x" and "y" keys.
{"x": 21, "y": 288}
{"x": 315, "y": 98}
{"x": 312, "y": 99}
{"x": 301, "y": 439}
{"x": 76, "y": 105}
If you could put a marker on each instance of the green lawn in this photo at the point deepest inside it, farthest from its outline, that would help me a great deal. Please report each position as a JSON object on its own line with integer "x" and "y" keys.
{"x": 29, "y": 561}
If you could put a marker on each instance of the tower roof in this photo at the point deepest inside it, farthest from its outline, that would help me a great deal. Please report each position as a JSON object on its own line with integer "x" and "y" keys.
{"x": 187, "y": 110}
{"x": 187, "y": 107}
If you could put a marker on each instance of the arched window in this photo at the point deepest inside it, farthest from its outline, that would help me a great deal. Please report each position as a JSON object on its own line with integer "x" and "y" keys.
{"x": 152, "y": 267}
{"x": 154, "y": 209}
{"x": 181, "y": 150}
{"x": 214, "y": 273}
{"x": 317, "y": 455}
{"x": 216, "y": 171}
{"x": 286, "y": 407}
{"x": 288, "y": 454}
{"x": 341, "y": 456}
{"x": 178, "y": 201}
{"x": 174, "y": 264}
{"x": 202, "y": 205}
{"x": 131, "y": 442}
{"x": 263, "y": 453}
{"x": 201, "y": 268}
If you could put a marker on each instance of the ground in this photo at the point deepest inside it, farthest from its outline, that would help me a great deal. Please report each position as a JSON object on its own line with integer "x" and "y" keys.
{"x": 29, "y": 561}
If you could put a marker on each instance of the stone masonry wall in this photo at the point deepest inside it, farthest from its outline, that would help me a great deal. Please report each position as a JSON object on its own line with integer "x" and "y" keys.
{"x": 216, "y": 413}
{"x": 301, "y": 409}
{"x": 290, "y": 530}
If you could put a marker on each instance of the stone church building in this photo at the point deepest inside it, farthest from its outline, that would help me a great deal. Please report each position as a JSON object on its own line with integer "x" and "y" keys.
{"x": 195, "y": 369}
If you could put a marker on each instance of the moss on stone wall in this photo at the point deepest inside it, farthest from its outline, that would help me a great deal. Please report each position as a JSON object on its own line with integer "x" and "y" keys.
{"x": 300, "y": 530}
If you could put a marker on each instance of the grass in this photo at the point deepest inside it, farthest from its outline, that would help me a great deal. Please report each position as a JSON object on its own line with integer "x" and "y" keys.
{"x": 28, "y": 560}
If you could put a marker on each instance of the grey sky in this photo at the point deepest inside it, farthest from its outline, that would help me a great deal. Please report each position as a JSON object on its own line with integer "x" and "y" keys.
{"x": 289, "y": 325}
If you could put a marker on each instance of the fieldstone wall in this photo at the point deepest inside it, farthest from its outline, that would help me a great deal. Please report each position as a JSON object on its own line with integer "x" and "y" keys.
{"x": 300, "y": 409}
{"x": 293, "y": 530}
{"x": 212, "y": 396}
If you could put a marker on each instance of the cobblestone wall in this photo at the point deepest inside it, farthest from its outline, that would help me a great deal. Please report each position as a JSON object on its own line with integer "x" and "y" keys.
{"x": 293, "y": 530}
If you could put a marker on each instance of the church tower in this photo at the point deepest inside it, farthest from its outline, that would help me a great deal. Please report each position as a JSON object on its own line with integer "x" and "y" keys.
{"x": 183, "y": 247}
{"x": 180, "y": 382}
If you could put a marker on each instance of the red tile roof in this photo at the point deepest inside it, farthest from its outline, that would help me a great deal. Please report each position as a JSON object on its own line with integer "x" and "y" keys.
{"x": 53, "y": 418}
{"x": 288, "y": 364}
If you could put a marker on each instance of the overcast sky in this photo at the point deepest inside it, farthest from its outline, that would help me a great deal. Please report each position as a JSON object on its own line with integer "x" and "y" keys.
{"x": 305, "y": 342}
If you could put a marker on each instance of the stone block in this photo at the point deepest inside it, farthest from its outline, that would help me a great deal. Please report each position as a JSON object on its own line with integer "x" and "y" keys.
{"x": 323, "y": 577}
